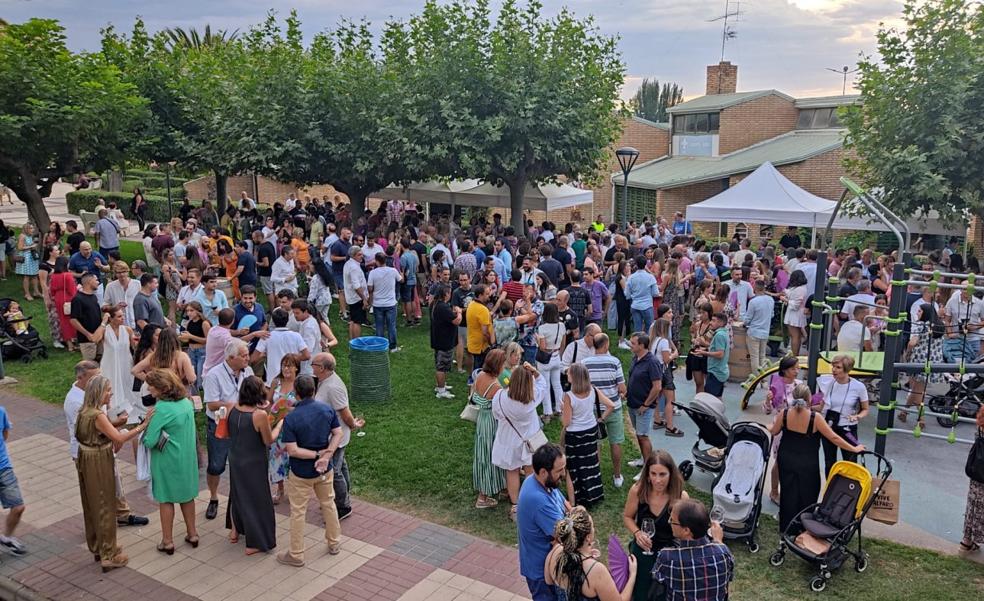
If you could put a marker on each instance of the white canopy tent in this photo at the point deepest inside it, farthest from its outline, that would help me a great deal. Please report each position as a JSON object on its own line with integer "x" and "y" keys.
{"x": 475, "y": 193}
{"x": 766, "y": 197}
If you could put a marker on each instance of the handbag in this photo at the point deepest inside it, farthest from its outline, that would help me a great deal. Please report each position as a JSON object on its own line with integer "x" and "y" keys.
{"x": 470, "y": 413}
{"x": 67, "y": 308}
{"x": 543, "y": 356}
{"x": 565, "y": 383}
{"x": 602, "y": 426}
{"x": 975, "y": 459}
{"x": 533, "y": 442}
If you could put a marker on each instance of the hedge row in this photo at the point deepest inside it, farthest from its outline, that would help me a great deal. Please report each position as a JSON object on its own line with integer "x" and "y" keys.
{"x": 86, "y": 200}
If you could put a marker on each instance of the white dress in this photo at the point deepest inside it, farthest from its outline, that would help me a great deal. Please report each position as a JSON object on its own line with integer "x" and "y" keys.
{"x": 116, "y": 365}
{"x": 508, "y": 450}
{"x": 795, "y": 302}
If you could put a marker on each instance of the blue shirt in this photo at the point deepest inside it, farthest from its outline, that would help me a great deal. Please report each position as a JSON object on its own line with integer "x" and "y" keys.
{"x": 5, "y": 458}
{"x": 501, "y": 269}
{"x": 537, "y": 514}
{"x": 258, "y": 313}
{"x": 641, "y": 289}
{"x": 309, "y": 425}
{"x": 642, "y": 374}
{"x": 340, "y": 248}
{"x": 695, "y": 569}
{"x": 408, "y": 265}
{"x": 681, "y": 228}
{"x": 758, "y": 316}
{"x": 719, "y": 367}
{"x": 79, "y": 264}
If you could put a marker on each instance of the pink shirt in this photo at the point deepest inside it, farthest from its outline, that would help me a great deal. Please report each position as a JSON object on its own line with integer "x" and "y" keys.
{"x": 215, "y": 343}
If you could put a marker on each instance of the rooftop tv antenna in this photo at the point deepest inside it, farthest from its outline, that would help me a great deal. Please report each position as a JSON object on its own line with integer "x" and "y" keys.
{"x": 728, "y": 32}
{"x": 845, "y": 71}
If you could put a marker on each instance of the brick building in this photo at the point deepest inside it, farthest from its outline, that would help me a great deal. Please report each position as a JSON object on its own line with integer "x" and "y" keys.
{"x": 714, "y": 141}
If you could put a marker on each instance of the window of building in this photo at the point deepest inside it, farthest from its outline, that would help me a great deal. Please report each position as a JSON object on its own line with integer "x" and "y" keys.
{"x": 822, "y": 118}
{"x": 642, "y": 202}
{"x": 697, "y": 124}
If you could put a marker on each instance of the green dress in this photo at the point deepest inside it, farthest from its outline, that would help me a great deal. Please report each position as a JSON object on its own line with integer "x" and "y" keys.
{"x": 486, "y": 478}
{"x": 174, "y": 469}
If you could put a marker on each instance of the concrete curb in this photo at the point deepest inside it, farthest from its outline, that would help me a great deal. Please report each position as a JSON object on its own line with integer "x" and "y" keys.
{"x": 11, "y": 590}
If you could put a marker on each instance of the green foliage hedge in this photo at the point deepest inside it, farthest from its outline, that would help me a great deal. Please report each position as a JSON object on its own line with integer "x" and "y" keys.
{"x": 86, "y": 200}
{"x": 130, "y": 184}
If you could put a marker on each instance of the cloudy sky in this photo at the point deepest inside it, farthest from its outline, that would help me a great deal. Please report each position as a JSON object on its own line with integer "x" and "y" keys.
{"x": 783, "y": 44}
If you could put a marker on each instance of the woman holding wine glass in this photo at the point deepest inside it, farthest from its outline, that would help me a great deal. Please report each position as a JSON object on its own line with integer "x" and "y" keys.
{"x": 647, "y": 515}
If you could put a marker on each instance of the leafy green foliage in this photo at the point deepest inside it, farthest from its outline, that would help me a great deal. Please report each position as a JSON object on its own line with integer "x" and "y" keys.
{"x": 86, "y": 200}
{"x": 58, "y": 111}
{"x": 191, "y": 38}
{"x": 651, "y": 100}
{"x": 918, "y": 132}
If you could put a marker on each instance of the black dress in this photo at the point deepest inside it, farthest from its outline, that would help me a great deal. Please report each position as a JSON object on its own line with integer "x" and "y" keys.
{"x": 799, "y": 470}
{"x": 250, "y": 504}
{"x": 643, "y": 590}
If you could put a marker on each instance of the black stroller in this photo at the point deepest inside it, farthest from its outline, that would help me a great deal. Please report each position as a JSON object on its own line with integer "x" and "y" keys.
{"x": 707, "y": 411}
{"x": 738, "y": 488}
{"x": 828, "y": 527}
{"x": 25, "y": 345}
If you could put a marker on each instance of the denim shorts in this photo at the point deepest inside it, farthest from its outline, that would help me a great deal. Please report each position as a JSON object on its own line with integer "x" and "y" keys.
{"x": 642, "y": 424}
{"x": 10, "y": 492}
{"x": 406, "y": 292}
{"x": 218, "y": 449}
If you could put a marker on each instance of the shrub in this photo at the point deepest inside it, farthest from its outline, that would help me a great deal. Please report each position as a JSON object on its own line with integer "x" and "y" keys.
{"x": 178, "y": 193}
{"x": 130, "y": 184}
{"x": 86, "y": 200}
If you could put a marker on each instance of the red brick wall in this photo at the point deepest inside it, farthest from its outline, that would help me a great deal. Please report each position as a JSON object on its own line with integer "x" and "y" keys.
{"x": 818, "y": 175}
{"x": 722, "y": 78}
{"x": 755, "y": 121}
{"x": 672, "y": 200}
{"x": 651, "y": 142}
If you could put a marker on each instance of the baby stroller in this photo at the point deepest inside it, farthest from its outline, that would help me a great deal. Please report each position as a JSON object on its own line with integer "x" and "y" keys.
{"x": 821, "y": 533}
{"x": 25, "y": 345}
{"x": 738, "y": 488}
{"x": 707, "y": 411}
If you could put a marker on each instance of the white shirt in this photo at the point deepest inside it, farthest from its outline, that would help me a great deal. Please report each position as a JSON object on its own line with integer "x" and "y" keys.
{"x": 845, "y": 399}
{"x": 310, "y": 332}
{"x": 853, "y": 300}
{"x": 582, "y": 352}
{"x": 283, "y": 276}
{"x": 383, "y": 281}
{"x": 659, "y": 345}
{"x": 221, "y": 384}
{"x": 369, "y": 254}
{"x": 743, "y": 291}
{"x": 742, "y": 255}
{"x": 958, "y": 311}
{"x": 188, "y": 294}
{"x": 73, "y": 404}
{"x": 582, "y": 412}
{"x": 332, "y": 390}
{"x": 353, "y": 279}
{"x": 289, "y": 205}
{"x": 280, "y": 342}
{"x": 809, "y": 269}
{"x": 329, "y": 240}
{"x": 448, "y": 260}
{"x": 115, "y": 295}
{"x": 852, "y": 336}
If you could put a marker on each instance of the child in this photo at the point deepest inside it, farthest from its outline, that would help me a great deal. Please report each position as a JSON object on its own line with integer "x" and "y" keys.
{"x": 10, "y": 493}
{"x": 15, "y": 318}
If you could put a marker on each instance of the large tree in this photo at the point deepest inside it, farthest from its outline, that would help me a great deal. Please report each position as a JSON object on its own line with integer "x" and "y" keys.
{"x": 59, "y": 112}
{"x": 525, "y": 99}
{"x": 918, "y": 132}
{"x": 651, "y": 100}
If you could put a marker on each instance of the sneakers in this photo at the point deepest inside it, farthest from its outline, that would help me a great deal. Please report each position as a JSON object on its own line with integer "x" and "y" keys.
{"x": 344, "y": 512}
{"x": 637, "y": 476}
{"x": 444, "y": 395}
{"x": 618, "y": 480}
{"x": 447, "y": 386}
{"x": 212, "y": 510}
{"x": 12, "y": 545}
{"x": 396, "y": 349}
{"x": 624, "y": 345}
{"x": 332, "y": 550}
{"x": 289, "y": 560}
{"x": 133, "y": 520}
{"x": 57, "y": 344}
{"x": 637, "y": 462}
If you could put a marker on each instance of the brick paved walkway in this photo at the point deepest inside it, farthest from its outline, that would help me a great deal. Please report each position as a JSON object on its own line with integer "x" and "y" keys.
{"x": 386, "y": 555}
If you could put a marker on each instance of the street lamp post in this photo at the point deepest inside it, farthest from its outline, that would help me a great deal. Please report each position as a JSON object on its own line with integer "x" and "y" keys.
{"x": 167, "y": 172}
{"x": 627, "y": 157}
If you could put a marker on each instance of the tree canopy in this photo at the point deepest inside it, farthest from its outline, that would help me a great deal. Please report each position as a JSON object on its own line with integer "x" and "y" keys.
{"x": 651, "y": 100}
{"x": 59, "y": 111}
{"x": 918, "y": 132}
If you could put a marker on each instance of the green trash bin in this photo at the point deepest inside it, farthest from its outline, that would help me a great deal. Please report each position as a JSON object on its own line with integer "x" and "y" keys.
{"x": 369, "y": 368}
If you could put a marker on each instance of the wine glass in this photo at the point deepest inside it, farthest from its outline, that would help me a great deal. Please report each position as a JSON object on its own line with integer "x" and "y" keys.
{"x": 649, "y": 529}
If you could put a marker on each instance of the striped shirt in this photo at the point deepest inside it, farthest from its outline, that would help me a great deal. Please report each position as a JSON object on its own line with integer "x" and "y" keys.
{"x": 695, "y": 570}
{"x": 605, "y": 373}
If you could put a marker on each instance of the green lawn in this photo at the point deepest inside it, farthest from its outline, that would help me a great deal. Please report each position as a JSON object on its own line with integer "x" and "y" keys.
{"x": 416, "y": 457}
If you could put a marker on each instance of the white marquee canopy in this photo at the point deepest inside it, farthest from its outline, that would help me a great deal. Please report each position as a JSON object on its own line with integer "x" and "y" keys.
{"x": 476, "y": 193}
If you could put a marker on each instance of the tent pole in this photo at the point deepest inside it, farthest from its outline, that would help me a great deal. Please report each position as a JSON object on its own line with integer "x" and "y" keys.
{"x": 813, "y": 240}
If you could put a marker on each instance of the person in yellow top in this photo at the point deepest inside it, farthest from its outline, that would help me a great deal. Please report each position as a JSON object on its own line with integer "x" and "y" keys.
{"x": 478, "y": 317}
{"x": 598, "y": 224}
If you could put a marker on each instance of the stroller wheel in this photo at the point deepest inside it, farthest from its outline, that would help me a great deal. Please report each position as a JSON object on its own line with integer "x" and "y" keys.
{"x": 861, "y": 563}
{"x": 686, "y": 469}
{"x": 818, "y": 584}
{"x": 43, "y": 353}
{"x": 26, "y": 358}
{"x": 753, "y": 546}
{"x": 777, "y": 558}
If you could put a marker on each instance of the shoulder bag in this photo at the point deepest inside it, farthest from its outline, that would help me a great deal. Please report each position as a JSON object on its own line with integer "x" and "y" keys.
{"x": 975, "y": 459}
{"x": 565, "y": 383}
{"x": 533, "y": 442}
{"x": 602, "y": 427}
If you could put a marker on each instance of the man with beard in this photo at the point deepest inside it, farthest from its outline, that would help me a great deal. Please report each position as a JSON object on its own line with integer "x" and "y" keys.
{"x": 541, "y": 506}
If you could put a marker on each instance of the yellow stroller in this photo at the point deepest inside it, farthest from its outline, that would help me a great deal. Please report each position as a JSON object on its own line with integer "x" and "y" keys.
{"x": 821, "y": 533}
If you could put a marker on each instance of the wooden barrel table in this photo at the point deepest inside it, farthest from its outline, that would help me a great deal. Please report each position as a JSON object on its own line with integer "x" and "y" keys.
{"x": 739, "y": 363}
{"x": 225, "y": 285}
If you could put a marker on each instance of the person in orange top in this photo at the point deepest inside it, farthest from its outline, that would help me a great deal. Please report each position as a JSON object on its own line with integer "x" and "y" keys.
{"x": 302, "y": 255}
{"x": 229, "y": 259}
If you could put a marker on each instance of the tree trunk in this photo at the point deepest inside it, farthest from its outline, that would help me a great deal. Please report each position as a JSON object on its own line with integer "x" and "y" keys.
{"x": 26, "y": 189}
{"x": 221, "y": 179}
{"x": 517, "y": 190}
{"x": 357, "y": 204}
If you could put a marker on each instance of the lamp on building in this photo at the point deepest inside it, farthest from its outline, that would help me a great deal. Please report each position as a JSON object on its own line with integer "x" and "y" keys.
{"x": 627, "y": 157}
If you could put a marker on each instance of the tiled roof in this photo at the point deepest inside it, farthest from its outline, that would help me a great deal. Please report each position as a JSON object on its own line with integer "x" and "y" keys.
{"x": 671, "y": 172}
{"x": 827, "y": 101}
{"x": 650, "y": 123}
{"x": 716, "y": 102}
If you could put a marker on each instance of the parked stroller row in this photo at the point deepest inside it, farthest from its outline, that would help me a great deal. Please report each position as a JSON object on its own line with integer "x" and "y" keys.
{"x": 738, "y": 456}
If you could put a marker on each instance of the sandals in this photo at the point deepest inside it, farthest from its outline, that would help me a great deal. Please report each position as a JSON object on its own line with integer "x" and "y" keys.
{"x": 486, "y": 503}
{"x": 512, "y": 513}
{"x": 971, "y": 547}
{"x": 674, "y": 432}
{"x": 193, "y": 541}
{"x": 278, "y": 497}
{"x": 165, "y": 548}
{"x": 119, "y": 561}
{"x": 659, "y": 425}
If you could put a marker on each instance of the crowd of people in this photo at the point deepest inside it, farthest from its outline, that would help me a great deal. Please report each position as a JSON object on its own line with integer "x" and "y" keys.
{"x": 525, "y": 315}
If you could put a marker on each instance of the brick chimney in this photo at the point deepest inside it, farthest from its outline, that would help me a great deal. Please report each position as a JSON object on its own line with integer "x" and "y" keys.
{"x": 722, "y": 78}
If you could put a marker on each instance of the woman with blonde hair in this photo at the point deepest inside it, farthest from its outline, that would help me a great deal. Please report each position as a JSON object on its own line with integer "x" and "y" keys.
{"x": 583, "y": 408}
{"x": 98, "y": 441}
{"x": 515, "y": 410}
{"x": 514, "y": 356}
{"x": 174, "y": 459}
{"x": 281, "y": 401}
{"x": 571, "y": 565}
{"x": 647, "y": 514}
{"x": 487, "y": 479}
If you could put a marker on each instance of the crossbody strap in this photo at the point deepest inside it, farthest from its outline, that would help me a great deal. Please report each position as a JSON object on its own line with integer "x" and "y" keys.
{"x": 508, "y": 421}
